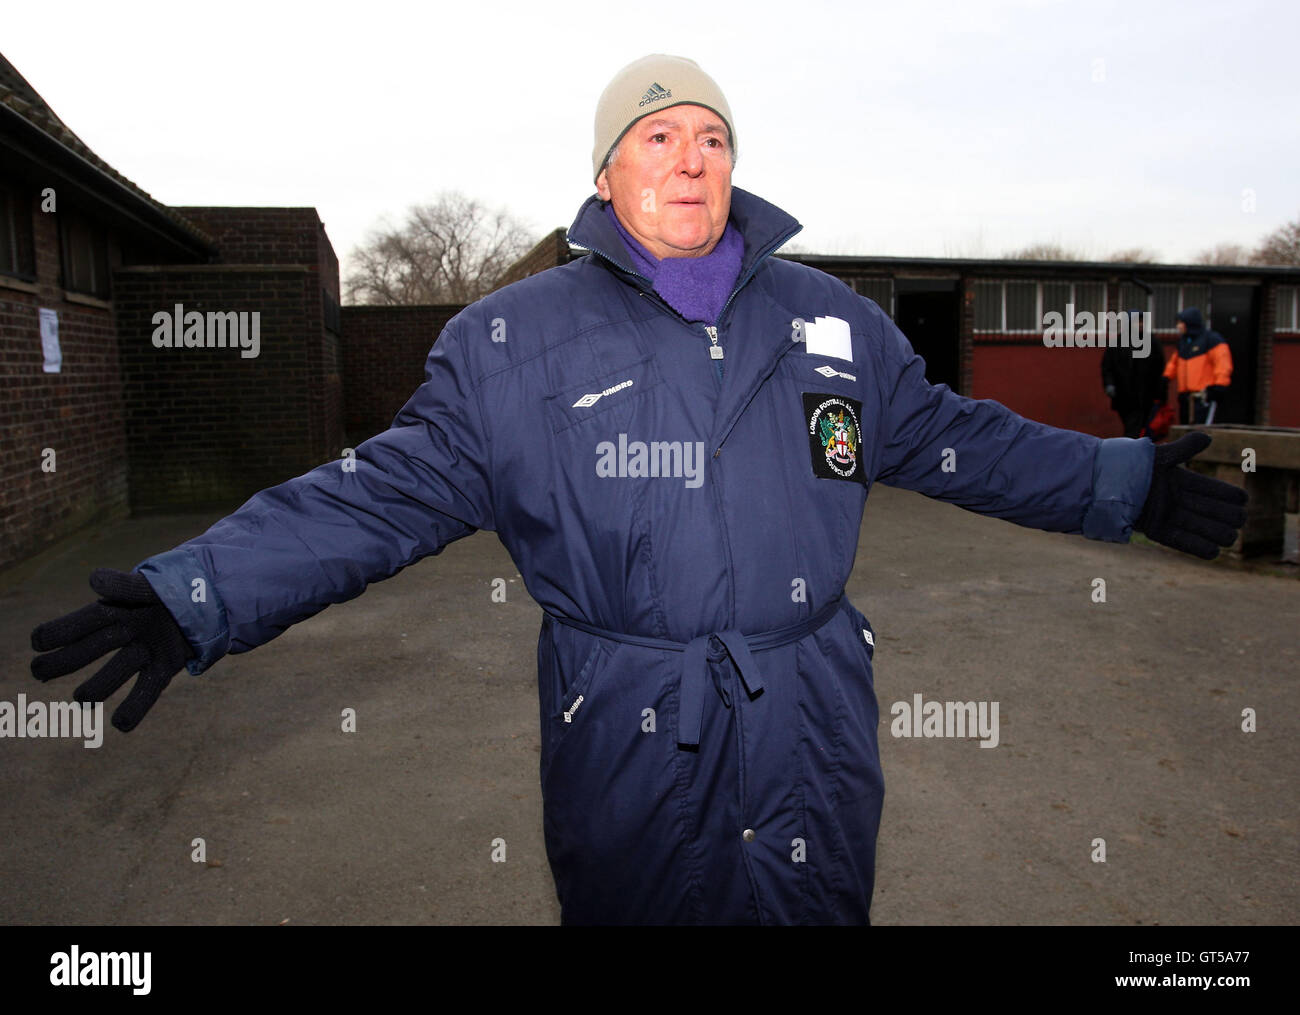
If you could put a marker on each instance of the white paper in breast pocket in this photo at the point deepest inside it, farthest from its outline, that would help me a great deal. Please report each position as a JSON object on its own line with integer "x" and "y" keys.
{"x": 828, "y": 336}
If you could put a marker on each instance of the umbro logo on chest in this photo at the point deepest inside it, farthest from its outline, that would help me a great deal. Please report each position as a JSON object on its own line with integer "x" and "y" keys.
{"x": 588, "y": 400}
{"x": 830, "y": 371}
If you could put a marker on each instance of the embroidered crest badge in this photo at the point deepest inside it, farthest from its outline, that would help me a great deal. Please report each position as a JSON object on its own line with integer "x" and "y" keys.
{"x": 835, "y": 436}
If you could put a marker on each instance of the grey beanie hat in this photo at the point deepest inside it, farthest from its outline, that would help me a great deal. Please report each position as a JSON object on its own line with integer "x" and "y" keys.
{"x": 646, "y": 86}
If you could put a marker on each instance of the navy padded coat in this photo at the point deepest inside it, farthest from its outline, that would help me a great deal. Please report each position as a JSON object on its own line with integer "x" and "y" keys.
{"x": 708, "y": 717}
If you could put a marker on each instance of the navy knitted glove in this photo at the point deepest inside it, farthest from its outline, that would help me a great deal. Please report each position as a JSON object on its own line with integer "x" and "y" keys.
{"x": 129, "y": 616}
{"x": 1188, "y": 511}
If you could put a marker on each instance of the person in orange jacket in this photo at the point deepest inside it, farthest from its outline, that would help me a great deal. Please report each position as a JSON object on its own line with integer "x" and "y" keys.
{"x": 1202, "y": 366}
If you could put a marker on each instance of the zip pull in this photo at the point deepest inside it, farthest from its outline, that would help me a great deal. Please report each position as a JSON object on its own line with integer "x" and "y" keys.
{"x": 715, "y": 350}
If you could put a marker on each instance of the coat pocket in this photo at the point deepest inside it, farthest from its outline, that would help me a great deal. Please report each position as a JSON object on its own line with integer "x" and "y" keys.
{"x": 588, "y": 399}
{"x": 866, "y": 636}
{"x": 572, "y": 689}
{"x": 577, "y": 661}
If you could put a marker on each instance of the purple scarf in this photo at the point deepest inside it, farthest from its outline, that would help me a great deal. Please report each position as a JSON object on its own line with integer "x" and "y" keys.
{"x": 696, "y": 287}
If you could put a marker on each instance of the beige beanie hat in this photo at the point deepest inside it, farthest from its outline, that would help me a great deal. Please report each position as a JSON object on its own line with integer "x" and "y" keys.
{"x": 646, "y": 86}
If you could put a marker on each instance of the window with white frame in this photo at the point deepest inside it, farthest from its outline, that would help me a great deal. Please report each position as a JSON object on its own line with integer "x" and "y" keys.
{"x": 1018, "y": 307}
{"x": 1089, "y": 296}
{"x": 1134, "y": 297}
{"x": 988, "y": 306}
{"x": 1197, "y": 296}
{"x": 1288, "y": 308}
{"x": 1171, "y": 299}
{"x": 85, "y": 254}
{"x": 17, "y": 250}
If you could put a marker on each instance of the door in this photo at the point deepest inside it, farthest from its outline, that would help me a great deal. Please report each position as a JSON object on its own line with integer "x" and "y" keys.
{"x": 1236, "y": 318}
{"x": 926, "y": 312}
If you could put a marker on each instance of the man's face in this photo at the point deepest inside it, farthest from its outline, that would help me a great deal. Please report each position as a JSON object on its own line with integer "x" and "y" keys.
{"x": 1182, "y": 328}
{"x": 671, "y": 181}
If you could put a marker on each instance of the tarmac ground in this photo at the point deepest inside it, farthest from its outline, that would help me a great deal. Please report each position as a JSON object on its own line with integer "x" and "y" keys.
{"x": 1119, "y": 721}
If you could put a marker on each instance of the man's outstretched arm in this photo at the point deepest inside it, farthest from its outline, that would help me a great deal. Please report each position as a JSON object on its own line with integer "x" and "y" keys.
{"x": 293, "y": 549}
{"x": 984, "y": 457}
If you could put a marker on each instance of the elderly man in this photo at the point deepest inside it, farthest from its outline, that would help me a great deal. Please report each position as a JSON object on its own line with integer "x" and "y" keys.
{"x": 674, "y": 440}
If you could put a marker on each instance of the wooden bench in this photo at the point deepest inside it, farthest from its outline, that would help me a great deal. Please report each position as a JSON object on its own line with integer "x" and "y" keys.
{"x": 1273, "y": 514}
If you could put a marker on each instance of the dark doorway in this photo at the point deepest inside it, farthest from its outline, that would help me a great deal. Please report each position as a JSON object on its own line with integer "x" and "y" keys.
{"x": 1236, "y": 317}
{"x": 926, "y": 312}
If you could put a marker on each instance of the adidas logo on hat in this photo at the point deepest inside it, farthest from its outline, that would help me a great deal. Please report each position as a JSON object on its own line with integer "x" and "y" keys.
{"x": 654, "y": 93}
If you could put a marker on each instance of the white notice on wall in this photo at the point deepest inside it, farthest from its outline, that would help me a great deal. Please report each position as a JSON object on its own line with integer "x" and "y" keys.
{"x": 50, "y": 340}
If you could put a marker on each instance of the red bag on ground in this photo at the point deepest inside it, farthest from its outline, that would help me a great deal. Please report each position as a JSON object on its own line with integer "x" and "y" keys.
{"x": 1158, "y": 425}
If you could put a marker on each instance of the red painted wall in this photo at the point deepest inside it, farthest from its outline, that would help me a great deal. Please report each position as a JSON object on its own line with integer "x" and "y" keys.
{"x": 1284, "y": 407}
{"x": 1060, "y": 387}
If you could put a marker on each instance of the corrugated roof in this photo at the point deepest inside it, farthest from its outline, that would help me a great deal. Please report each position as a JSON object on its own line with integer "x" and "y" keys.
{"x": 17, "y": 94}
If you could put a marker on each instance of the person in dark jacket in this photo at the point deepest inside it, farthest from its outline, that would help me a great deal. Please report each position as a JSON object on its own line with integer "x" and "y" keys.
{"x": 1201, "y": 366}
{"x": 675, "y": 443}
{"x": 1135, "y": 385}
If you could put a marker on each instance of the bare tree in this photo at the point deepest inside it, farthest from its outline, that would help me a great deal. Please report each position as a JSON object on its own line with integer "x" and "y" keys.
{"x": 1223, "y": 253}
{"x": 1045, "y": 252}
{"x": 450, "y": 251}
{"x": 1134, "y": 255}
{"x": 1282, "y": 246}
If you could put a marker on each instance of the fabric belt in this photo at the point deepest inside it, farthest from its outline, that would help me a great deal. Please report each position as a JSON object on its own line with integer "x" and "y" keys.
{"x": 695, "y": 664}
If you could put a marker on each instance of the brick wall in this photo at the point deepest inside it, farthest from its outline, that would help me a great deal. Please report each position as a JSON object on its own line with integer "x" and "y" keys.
{"x": 262, "y": 235}
{"x": 332, "y": 407}
{"x": 327, "y": 261}
{"x": 208, "y": 426}
{"x": 384, "y": 349}
{"x": 549, "y": 252}
{"x": 77, "y": 412}
{"x": 966, "y": 337}
{"x": 1264, "y": 410}
{"x": 291, "y": 236}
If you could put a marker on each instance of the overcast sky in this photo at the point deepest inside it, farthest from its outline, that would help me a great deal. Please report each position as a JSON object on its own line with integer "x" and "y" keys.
{"x": 908, "y": 128}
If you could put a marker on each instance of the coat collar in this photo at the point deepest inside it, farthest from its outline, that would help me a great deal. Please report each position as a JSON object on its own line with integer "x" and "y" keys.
{"x": 763, "y": 225}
